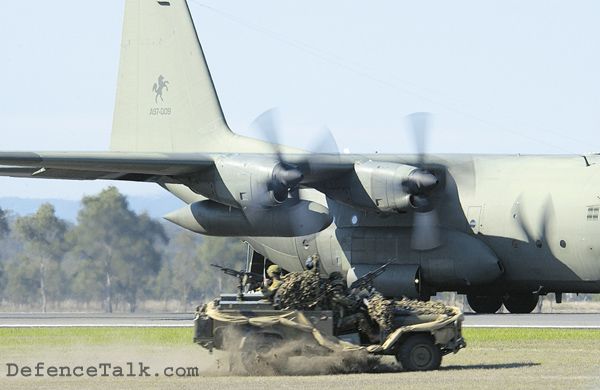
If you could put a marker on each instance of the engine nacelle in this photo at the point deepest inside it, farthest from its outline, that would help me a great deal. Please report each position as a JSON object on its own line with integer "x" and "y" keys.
{"x": 381, "y": 186}
{"x": 215, "y": 219}
{"x": 246, "y": 182}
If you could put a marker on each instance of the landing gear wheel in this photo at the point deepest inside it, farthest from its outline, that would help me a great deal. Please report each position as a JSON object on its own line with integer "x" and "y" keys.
{"x": 484, "y": 304}
{"x": 521, "y": 303}
{"x": 419, "y": 353}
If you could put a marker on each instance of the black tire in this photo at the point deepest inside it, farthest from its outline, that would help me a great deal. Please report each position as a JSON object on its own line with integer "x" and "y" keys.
{"x": 419, "y": 353}
{"x": 484, "y": 304}
{"x": 521, "y": 303}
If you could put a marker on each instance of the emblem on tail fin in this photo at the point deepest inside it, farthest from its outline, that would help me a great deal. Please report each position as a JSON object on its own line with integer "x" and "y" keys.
{"x": 158, "y": 87}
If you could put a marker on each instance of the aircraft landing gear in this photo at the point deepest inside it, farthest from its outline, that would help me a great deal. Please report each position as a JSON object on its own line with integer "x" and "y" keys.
{"x": 484, "y": 304}
{"x": 521, "y": 303}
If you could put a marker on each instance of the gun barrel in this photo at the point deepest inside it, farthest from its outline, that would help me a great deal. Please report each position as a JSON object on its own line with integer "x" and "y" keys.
{"x": 239, "y": 274}
{"x": 370, "y": 276}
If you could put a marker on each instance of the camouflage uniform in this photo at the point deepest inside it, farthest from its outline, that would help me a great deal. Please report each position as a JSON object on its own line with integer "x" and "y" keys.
{"x": 273, "y": 283}
{"x": 347, "y": 308}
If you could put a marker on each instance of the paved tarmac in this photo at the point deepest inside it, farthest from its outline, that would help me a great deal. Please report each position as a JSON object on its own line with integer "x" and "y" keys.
{"x": 7, "y": 320}
{"x": 10, "y": 320}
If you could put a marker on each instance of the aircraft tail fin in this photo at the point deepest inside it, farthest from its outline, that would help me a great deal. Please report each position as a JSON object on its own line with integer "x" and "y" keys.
{"x": 166, "y": 100}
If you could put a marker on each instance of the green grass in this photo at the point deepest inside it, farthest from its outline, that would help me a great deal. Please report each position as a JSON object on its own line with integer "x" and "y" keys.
{"x": 10, "y": 337}
{"x": 19, "y": 337}
{"x": 479, "y": 335}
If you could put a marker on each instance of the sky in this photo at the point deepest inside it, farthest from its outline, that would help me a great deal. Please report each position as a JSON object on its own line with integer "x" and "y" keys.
{"x": 498, "y": 76}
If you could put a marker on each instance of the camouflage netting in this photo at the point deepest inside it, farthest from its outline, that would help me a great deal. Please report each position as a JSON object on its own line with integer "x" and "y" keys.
{"x": 420, "y": 307}
{"x": 299, "y": 290}
{"x": 383, "y": 310}
{"x": 293, "y": 319}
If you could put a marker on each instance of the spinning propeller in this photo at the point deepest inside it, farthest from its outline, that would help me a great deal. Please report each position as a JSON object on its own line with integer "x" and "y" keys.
{"x": 286, "y": 176}
{"x": 420, "y": 184}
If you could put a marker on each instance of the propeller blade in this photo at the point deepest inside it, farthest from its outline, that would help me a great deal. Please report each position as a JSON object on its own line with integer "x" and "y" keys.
{"x": 285, "y": 177}
{"x": 325, "y": 142}
{"x": 419, "y": 126}
{"x": 268, "y": 124}
{"x": 544, "y": 227}
{"x": 547, "y": 217}
{"x": 420, "y": 183}
{"x": 425, "y": 231}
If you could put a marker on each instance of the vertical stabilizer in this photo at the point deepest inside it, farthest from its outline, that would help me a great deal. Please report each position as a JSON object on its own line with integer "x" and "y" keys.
{"x": 166, "y": 101}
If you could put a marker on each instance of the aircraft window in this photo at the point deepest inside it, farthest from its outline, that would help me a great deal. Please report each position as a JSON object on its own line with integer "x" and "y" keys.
{"x": 563, "y": 244}
{"x": 592, "y": 213}
{"x": 163, "y": 3}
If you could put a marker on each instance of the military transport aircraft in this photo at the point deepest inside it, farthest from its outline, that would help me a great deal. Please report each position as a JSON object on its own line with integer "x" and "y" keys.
{"x": 502, "y": 229}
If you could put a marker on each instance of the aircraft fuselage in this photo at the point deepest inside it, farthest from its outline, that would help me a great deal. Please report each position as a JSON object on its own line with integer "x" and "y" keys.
{"x": 509, "y": 223}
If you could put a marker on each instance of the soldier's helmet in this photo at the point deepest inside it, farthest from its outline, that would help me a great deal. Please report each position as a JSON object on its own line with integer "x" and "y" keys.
{"x": 273, "y": 269}
{"x": 311, "y": 261}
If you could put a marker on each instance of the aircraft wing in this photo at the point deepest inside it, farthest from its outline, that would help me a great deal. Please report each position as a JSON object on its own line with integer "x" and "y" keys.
{"x": 148, "y": 167}
{"x": 102, "y": 165}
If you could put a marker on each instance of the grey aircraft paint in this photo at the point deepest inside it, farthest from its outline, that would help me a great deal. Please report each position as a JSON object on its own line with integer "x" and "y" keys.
{"x": 509, "y": 225}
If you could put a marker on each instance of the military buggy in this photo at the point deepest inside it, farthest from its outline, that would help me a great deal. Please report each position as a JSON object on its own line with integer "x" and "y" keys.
{"x": 264, "y": 336}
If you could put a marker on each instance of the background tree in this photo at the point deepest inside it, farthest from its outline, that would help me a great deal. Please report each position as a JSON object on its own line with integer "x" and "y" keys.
{"x": 22, "y": 282}
{"x": 141, "y": 258}
{"x": 43, "y": 234}
{"x": 123, "y": 243}
{"x": 186, "y": 267}
{"x": 228, "y": 252}
{"x": 84, "y": 275}
{"x": 163, "y": 288}
{"x": 4, "y": 225}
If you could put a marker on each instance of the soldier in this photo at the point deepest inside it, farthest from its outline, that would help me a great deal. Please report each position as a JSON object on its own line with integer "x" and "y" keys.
{"x": 347, "y": 308}
{"x": 273, "y": 281}
{"x": 338, "y": 294}
{"x": 312, "y": 263}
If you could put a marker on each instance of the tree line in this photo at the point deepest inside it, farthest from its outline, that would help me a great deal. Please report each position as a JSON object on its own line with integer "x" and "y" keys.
{"x": 112, "y": 258}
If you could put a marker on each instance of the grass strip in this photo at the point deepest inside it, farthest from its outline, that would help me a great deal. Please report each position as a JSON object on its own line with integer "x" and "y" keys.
{"x": 10, "y": 337}
{"x": 13, "y": 337}
{"x": 529, "y": 334}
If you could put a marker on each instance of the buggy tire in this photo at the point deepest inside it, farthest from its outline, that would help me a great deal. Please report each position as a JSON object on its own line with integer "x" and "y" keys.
{"x": 419, "y": 353}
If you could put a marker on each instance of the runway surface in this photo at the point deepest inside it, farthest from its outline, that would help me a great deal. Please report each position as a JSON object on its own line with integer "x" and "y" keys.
{"x": 8, "y": 320}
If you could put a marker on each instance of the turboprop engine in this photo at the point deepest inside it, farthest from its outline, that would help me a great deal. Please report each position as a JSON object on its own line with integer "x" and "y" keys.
{"x": 248, "y": 182}
{"x": 391, "y": 187}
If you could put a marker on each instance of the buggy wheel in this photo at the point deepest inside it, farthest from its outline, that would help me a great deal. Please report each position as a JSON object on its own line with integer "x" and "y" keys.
{"x": 419, "y": 353}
